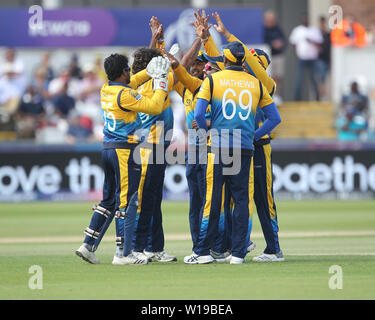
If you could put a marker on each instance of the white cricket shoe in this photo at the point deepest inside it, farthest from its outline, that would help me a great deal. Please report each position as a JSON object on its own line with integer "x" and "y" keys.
{"x": 236, "y": 260}
{"x": 251, "y": 247}
{"x": 117, "y": 260}
{"x": 278, "y": 257}
{"x": 196, "y": 259}
{"x": 161, "y": 256}
{"x": 221, "y": 257}
{"x": 129, "y": 259}
{"x": 86, "y": 254}
{"x": 141, "y": 255}
{"x": 149, "y": 254}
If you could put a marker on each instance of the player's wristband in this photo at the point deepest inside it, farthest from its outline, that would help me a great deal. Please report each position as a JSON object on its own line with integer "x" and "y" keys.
{"x": 161, "y": 84}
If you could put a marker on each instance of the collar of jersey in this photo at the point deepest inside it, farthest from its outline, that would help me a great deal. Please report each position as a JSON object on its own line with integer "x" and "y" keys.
{"x": 234, "y": 68}
{"x": 111, "y": 83}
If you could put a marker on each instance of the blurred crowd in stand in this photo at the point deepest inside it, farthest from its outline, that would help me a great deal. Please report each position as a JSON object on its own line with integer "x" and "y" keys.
{"x": 55, "y": 106}
{"x": 312, "y": 49}
{"x": 352, "y": 120}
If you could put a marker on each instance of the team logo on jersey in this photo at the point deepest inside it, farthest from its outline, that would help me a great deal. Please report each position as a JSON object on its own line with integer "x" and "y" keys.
{"x": 188, "y": 102}
{"x": 135, "y": 95}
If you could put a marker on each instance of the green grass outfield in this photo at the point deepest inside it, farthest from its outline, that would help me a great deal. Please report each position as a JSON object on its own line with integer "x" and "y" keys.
{"x": 313, "y": 235}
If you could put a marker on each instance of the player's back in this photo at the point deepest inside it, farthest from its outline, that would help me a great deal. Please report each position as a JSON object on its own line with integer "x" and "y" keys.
{"x": 152, "y": 133}
{"x": 234, "y": 100}
{"x": 120, "y": 124}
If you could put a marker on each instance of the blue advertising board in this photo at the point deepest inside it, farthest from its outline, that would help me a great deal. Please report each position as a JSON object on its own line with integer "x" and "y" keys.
{"x": 119, "y": 27}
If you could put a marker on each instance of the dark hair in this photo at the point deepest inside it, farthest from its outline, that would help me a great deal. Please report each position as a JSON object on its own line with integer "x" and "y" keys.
{"x": 114, "y": 65}
{"x": 142, "y": 57}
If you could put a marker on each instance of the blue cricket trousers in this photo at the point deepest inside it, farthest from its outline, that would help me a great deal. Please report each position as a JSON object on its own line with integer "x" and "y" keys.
{"x": 195, "y": 178}
{"x": 149, "y": 228}
{"x": 242, "y": 188}
{"x": 263, "y": 196}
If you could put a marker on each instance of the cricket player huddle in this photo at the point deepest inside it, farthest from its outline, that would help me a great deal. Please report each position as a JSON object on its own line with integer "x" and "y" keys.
{"x": 230, "y": 114}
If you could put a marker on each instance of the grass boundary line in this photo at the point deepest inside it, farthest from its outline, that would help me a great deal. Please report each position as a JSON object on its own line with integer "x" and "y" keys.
{"x": 186, "y": 236}
{"x": 330, "y": 254}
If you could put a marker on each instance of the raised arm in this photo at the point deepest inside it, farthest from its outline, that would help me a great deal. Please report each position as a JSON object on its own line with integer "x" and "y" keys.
{"x": 187, "y": 80}
{"x": 212, "y": 51}
{"x": 157, "y": 33}
{"x": 200, "y": 25}
{"x": 190, "y": 56}
{"x": 270, "y": 110}
{"x": 251, "y": 60}
{"x": 254, "y": 65}
{"x": 202, "y": 30}
{"x": 132, "y": 100}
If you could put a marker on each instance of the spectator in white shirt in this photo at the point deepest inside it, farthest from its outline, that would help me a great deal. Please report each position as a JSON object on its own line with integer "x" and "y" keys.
{"x": 90, "y": 85}
{"x": 88, "y": 94}
{"x": 11, "y": 89}
{"x": 306, "y": 41}
{"x": 10, "y": 58}
{"x": 57, "y": 85}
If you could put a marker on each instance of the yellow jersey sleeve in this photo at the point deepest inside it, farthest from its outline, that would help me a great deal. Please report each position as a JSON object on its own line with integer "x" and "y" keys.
{"x": 130, "y": 99}
{"x": 211, "y": 50}
{"x": 265, "y": 99}
{"x": 205, "y": 91}
{"x": 256, "y": 67}
{"x": 179, "y": 88}
{"x": 160, "y": 45}
{"x": 138, "y": 78}
{"x": 191, "y": 83}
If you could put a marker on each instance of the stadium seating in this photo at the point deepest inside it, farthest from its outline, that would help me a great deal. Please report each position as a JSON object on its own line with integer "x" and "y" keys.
{"x": 306, "y": 120}
{"x": 7, "y": 135}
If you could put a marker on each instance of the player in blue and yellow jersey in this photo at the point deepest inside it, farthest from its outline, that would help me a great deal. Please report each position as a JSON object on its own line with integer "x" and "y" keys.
{"x": 256, "y": 63}
{"x": 220, "y": 252}
{"x": 149, "y": 237}
{"x": 149, "y": 220}
{"x": 121, "y": 105}
{"x": 234, "y": 96}
{"x": 194, "y": 167}
{"x": 187, "y": 85}
{"x": 190, "y": 84}
{"x": 263, "y": 184}
{"x": 194, "y": 170}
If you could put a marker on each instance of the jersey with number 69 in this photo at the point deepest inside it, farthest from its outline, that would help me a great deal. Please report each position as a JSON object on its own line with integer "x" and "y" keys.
{"x": 234, "y": 96}
{"x": 120, "y": 106}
